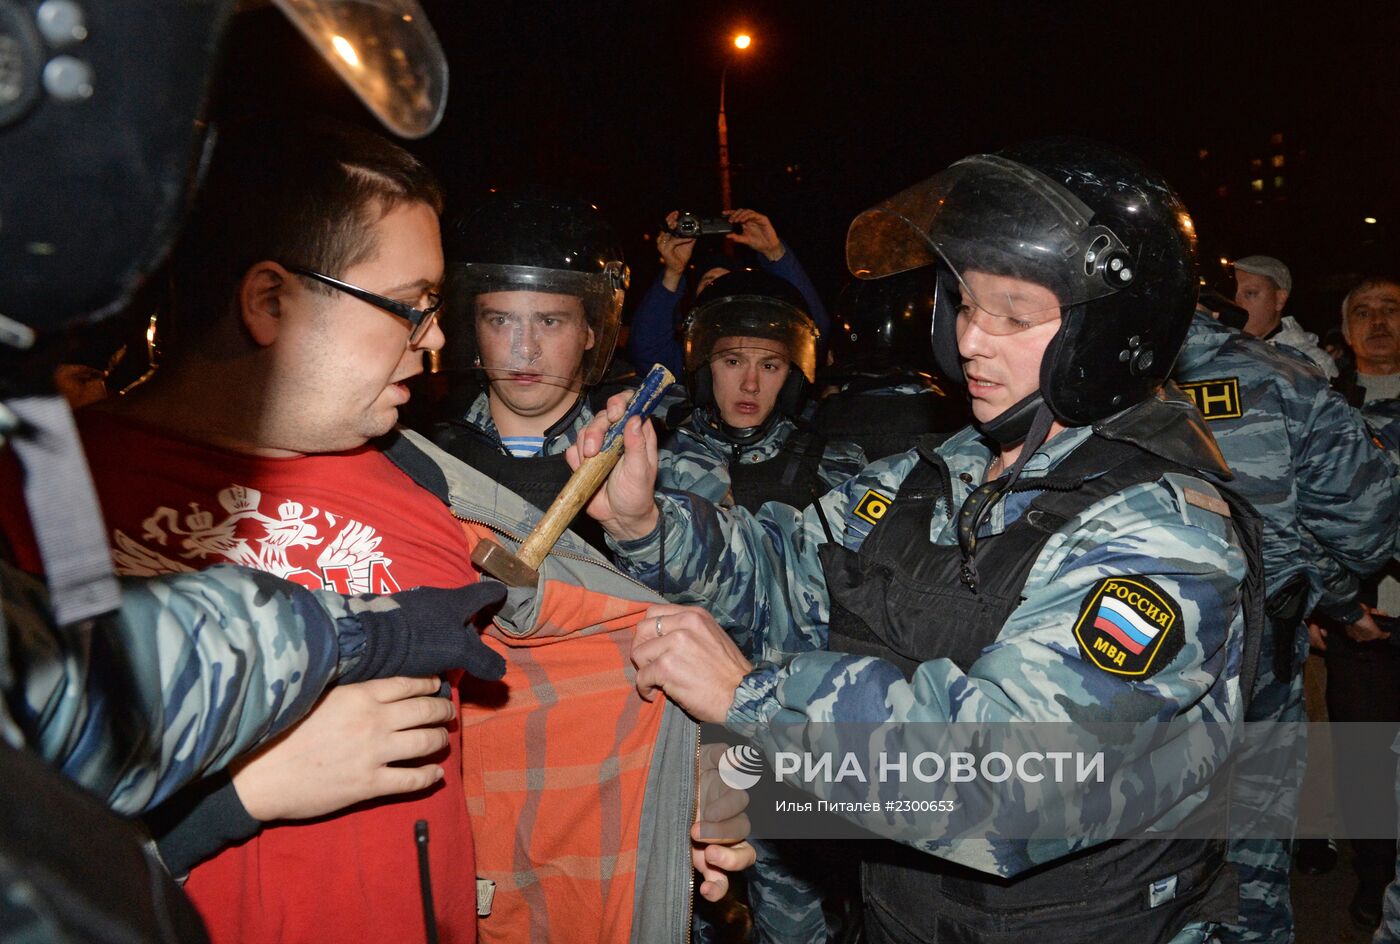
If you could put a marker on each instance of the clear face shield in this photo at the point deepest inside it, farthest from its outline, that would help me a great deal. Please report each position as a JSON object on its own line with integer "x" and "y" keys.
{"x": 534, "y": 325}
{"x": 387, "y": 53}
{"x": 1021, "y": 246}
{"x": 733, "y": 319}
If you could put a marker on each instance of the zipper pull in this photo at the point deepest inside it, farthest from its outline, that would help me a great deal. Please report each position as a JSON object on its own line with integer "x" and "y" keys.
{"x": 425, "y": 881}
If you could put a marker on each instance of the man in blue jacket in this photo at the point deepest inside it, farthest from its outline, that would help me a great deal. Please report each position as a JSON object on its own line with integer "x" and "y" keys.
{"x": 653, "y": 338}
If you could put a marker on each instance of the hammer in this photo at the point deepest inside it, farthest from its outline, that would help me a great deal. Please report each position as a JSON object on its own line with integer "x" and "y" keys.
{"x": 522, "y": 568}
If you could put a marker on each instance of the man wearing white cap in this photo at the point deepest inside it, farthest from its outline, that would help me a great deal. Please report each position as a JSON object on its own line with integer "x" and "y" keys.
{"x": 1262, "y": 285}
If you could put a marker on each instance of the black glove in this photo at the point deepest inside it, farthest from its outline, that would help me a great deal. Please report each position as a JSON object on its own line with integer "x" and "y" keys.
{"x": 426, "y": 631}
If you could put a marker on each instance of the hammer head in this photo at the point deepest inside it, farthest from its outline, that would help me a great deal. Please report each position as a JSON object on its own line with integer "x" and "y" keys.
{"x": 500, "y": 563}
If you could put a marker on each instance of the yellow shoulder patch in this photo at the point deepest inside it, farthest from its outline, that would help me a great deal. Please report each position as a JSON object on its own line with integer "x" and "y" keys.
{"x": 1216, "y": 399}
{"x": 872, "y": 506}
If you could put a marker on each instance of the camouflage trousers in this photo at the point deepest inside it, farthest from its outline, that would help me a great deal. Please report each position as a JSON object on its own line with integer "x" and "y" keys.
{"x": 1270, "y": 781}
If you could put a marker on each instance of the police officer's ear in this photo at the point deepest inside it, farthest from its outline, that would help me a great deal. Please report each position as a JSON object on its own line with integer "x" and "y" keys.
{"x": 261, "y": 300}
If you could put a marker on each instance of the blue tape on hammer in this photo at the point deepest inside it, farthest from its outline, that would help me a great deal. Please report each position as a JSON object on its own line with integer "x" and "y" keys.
{"x": 643, "y": 403}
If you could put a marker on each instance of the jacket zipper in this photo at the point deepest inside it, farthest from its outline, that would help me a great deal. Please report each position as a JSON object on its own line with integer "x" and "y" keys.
{"x": 694, "y": 812}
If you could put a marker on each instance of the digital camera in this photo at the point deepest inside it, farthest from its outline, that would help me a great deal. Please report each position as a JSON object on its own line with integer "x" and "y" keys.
{"x": 690, "y": 226}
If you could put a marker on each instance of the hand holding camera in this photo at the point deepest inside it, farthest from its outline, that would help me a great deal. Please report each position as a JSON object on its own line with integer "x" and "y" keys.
{"x": 675, "y": 251}
{"x": 745, "y": 227}
{"x": 687, "y": 225}
{"x": 756, "y": 231}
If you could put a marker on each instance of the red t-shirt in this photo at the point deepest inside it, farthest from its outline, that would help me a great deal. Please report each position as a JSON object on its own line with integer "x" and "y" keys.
{"x": 350, "y": 522}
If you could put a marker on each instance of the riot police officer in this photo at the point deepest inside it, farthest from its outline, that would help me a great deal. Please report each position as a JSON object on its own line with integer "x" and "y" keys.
{"x": 534, "y": 303}
{"x": 1305, "y": 462}
{"x": 977, "y": 582}
{"x": 750, "y": 356}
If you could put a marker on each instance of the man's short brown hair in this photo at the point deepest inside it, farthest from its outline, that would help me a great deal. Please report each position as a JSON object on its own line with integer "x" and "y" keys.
{"x": 306, "y": 194}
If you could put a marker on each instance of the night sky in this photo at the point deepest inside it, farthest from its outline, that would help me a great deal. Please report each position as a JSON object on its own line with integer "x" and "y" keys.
{"x": 839, "y": 105}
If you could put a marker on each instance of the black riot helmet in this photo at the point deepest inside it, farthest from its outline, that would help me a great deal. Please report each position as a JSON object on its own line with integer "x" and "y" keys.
{"x": 503, "y": 243}
{"x": 100, "y": 139}
{"x": 751, "y": 304}
{"x": 884, "y": 326}
{"x": 1107, "y": 236}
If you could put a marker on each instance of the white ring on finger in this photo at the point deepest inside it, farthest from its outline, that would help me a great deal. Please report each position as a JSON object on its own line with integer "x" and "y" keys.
{"x": 658, "y": 626}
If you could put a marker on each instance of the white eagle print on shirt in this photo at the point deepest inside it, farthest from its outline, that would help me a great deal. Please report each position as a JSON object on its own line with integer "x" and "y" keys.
{"x": 349, "y": 559}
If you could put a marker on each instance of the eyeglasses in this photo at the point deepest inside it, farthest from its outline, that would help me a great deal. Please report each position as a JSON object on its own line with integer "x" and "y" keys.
{"x": 421, "y": 319}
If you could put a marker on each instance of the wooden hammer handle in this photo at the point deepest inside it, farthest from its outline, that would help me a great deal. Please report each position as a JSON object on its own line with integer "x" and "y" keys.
{"x": 582, "y": 485}
{"x": 590, "y": 475}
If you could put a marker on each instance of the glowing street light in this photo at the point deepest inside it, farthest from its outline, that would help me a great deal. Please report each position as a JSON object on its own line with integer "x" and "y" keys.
{"x": 1369, "y": 219}
{"x": 741, "y": 42}
{"x": 346, "y": 51}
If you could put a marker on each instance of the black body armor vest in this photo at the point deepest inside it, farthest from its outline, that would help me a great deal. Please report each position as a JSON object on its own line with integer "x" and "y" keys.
{"x": 537, "y": 479}
{"x": 791, "y": 477}
{"x": 881, "y": 601}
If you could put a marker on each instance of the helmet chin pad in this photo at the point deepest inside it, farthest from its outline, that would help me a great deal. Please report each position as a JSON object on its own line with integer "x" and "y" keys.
{"x": 1011, "y": 425}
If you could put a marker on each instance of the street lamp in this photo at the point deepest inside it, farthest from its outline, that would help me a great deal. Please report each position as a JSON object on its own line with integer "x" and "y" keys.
{"x": 741, "y": 42}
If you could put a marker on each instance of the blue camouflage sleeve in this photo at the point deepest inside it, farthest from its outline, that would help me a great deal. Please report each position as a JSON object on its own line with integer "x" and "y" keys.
{"x": 1348, "y": 493}
{"x": 758, "y": 574}
{"x": 194, "y": 670}
{"x": 840, "y": 461}
{"x": 1338, "y": 588}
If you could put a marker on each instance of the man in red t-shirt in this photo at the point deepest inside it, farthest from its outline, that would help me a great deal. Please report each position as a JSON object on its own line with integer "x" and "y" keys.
{"x": 304, "y": 294}
{"x": 302, "y": 297}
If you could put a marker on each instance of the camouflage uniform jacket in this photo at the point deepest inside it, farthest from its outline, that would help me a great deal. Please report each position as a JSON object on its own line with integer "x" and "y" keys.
{"x": 1383, "y": 419}
{"x": 1299, "y": 453}
{"x": 697, "y": 458}
{"x": 215, "y": 663}
{"x": 761, "y": 573}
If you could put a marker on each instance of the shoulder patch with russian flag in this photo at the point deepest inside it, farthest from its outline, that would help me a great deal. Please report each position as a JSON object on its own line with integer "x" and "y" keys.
{"x": 1129, "y": 626}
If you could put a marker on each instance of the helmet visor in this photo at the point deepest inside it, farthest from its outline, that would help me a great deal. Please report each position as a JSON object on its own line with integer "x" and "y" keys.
{"x": 387, "y": 53}
{"x": 736, "y": 319}
{"x": 541, "y": 303}
{"x": 990, "y": 215}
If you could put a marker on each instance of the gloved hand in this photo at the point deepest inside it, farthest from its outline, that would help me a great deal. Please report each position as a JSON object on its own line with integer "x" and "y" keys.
{"x": 424, "y": 632}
